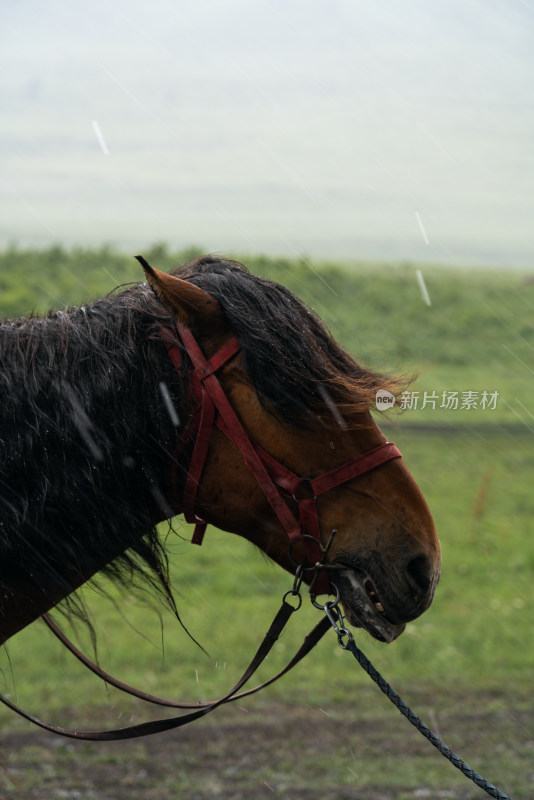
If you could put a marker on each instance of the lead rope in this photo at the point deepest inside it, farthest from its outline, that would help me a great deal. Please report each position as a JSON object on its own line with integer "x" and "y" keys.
{"x": 346, "y": 642}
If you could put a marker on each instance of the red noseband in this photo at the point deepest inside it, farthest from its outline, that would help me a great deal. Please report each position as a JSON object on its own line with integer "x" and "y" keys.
{"x": 276, "y": 481}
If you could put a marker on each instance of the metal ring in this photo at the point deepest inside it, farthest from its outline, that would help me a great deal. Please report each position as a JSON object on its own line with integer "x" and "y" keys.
{"x": 293, "y": 594}
{"x": 330, "y": 603}
{"x": 350, "y": 638}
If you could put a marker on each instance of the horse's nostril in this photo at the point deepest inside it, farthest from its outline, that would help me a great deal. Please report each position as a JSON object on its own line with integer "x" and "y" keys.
{"x": 420, "y": 571}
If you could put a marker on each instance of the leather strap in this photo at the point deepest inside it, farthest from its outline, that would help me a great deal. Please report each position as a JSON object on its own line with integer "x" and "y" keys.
{"x": 159, "y": 725}
{"x": 237, "y": 433}
{"x": 198, "y": 459}
{"x": 353, "y": 469}
{"x": 308, "y": 644}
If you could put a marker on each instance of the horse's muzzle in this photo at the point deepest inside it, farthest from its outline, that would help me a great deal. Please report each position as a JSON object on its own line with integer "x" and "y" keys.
{"x": 381, "y": 602}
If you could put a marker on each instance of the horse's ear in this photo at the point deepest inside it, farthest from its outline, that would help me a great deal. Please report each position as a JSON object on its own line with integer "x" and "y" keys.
{"x": 191, "y": 305}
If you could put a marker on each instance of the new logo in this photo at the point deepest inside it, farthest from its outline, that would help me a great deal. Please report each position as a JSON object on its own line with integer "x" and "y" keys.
{"x": 384, "y": 400}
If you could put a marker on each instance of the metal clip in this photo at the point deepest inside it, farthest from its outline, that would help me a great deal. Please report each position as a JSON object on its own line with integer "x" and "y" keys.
{"x": 299, "y": 577}
{"x": 336, "y": 620}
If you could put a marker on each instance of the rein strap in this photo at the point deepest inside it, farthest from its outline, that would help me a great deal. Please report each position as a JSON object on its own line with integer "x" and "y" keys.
{"x": 201, "y": 709}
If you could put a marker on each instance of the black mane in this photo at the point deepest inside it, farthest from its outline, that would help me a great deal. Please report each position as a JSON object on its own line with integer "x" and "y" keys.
{"x": 85, "y": 437}
{"x": 295, "y": 365}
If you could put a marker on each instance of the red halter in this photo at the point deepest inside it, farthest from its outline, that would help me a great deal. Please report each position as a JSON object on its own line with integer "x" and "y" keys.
{"x": 272, "y": 477}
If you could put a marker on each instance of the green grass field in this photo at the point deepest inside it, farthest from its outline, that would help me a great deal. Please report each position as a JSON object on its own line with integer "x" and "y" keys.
{"x": 466, "y": 664}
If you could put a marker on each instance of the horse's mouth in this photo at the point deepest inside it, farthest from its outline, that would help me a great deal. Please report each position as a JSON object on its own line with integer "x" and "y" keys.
{"x": 363, "y": 605}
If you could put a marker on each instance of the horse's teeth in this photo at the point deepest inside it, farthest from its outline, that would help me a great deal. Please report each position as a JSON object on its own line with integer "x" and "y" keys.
{"x": 374, "y": 598}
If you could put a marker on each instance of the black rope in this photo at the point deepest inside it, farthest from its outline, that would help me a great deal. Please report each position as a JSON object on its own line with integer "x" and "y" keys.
{"x": 392, "y": 695}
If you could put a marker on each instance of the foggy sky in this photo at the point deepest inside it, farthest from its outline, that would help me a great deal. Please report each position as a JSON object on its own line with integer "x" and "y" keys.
{"x": 386, "y": 130}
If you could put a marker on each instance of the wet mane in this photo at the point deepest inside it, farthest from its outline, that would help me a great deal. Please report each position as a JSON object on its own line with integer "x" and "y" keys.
{"x": 80, "y": 436}
{"x": 294, "y": 363}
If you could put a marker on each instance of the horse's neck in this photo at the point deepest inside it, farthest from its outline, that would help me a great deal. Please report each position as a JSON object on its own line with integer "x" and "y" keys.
{"x": 82, "y": 443}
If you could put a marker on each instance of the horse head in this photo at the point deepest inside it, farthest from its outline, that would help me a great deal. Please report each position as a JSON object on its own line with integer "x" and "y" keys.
{"x": 303, "y": 405}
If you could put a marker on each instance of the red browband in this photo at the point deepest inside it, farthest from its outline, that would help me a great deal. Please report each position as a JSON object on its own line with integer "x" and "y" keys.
{"x": 213, "y": 408}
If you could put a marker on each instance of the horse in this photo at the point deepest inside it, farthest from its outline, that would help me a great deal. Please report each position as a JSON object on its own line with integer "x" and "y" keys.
{"x": 215, "y": 393}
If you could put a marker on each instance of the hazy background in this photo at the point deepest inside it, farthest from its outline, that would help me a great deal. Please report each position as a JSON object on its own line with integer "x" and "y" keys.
{"x": 384, "y": 130}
